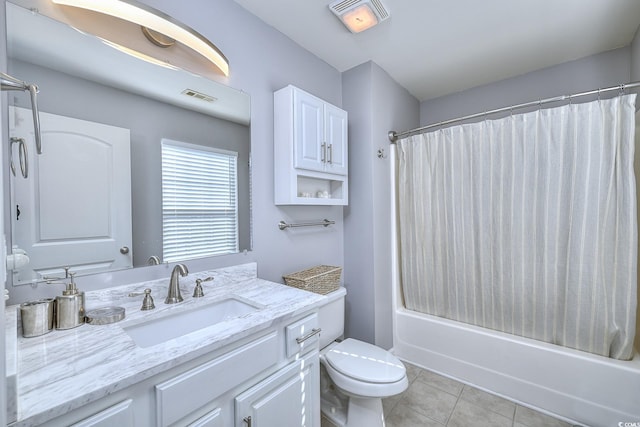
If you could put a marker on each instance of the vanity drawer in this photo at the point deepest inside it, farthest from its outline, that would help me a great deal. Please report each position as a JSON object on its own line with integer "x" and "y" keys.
{"x": 193, "y": 389}
{"x": 117, "y": 415}
{"x": 302, "y": 335}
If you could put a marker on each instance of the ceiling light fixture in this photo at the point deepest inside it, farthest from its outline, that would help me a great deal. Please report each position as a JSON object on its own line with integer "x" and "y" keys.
{"x": 359, "y": 15}
{"x": 140, "y": 14}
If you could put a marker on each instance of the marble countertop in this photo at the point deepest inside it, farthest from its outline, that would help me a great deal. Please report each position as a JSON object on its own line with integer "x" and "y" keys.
{"x": 64, "y": 370}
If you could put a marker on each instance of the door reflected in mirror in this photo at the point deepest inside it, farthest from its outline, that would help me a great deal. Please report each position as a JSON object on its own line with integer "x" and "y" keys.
{"x": 73, "y": 205}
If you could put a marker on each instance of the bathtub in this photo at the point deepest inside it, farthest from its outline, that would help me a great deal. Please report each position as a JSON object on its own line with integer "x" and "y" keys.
{"x": 574, "y": 385}
{"x": 579, "y": 387}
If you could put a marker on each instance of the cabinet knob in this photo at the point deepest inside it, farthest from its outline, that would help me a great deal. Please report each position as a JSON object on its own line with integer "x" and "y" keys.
{"x": 124, "y": 250}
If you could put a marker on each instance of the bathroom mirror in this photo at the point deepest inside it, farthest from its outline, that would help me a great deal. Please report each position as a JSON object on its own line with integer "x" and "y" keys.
{"x": 71, "y": 193}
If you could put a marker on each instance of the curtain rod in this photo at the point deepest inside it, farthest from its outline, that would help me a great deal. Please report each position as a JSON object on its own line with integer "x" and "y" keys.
{"x": 393, "y": 135}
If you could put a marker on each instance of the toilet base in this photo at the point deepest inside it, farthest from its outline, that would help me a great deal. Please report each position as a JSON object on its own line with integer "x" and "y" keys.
{"x": 365, "y": 412}
{"x": 360, "y": 412}
{"x": 350, "y": 411}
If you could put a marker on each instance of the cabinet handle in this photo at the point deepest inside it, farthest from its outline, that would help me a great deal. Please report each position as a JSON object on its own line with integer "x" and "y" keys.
{"x": 324, "y": 152}
{"x": 330, "y": 154}
{"x": 247, "y": 420}
{"x": 313, "y": 332}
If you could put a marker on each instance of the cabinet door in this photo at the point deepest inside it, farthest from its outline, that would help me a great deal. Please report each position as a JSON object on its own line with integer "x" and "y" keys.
{"x": 336, "y": 140}
{"x": 290, "y": 397}
{"x": 212, "y": 419}
{"x": 308, "y": 129}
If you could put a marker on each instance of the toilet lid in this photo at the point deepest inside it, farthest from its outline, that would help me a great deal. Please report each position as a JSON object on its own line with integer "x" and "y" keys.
{"x": 365, "y": 362}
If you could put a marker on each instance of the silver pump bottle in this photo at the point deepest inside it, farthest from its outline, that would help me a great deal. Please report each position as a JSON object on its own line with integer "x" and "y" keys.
{"x": 70, "y": 307}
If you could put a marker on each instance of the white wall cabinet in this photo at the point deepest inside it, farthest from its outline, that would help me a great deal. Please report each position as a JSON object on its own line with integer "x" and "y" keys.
{"x": 310, "y": 150}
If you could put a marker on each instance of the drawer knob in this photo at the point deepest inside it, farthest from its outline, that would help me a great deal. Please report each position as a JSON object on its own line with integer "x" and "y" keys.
{"x": 303, "y": 338}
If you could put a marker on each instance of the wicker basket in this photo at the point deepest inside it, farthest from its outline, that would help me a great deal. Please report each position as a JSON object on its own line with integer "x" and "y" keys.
{"x": 321, "y": 279}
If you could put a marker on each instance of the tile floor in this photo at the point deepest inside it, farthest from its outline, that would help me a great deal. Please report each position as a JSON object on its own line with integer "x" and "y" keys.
{"x": 436, "y": 401}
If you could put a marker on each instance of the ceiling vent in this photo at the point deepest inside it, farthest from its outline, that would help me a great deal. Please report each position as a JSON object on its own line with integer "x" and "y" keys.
{"x": 198, "y": 95}
{"x": 359, "y": 15}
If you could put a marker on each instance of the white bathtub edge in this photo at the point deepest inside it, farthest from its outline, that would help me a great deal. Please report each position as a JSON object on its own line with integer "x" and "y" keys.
{"x": 571, "y": 385}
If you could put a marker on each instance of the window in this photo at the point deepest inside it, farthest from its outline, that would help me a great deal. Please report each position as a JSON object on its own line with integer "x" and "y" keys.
{"x": 199, "y": 201}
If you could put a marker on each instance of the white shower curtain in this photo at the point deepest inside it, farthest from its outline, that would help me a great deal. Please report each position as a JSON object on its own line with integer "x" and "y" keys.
{"x": 526, "y": 225}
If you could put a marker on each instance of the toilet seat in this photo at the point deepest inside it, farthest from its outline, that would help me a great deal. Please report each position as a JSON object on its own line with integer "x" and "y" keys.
{"x": 365, "y": 362}
{"x": 362, "y": 369}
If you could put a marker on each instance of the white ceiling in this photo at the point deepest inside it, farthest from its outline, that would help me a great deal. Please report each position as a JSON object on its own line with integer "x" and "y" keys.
{"x": 438, "y": 47}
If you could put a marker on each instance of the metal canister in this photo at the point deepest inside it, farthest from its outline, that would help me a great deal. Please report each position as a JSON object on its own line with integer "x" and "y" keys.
{"x": 69, "y": 310}
{"x": 37, "y": 317}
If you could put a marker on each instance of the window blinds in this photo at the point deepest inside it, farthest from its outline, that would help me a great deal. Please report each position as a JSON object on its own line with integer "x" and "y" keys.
{"x": 199, "y": 201}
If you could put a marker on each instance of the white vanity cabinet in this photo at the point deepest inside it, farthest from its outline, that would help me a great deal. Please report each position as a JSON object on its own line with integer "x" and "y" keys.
{"x": 310, "y": 150}
{"x": 269, "y": 378}
{"x": 290, "y": 397}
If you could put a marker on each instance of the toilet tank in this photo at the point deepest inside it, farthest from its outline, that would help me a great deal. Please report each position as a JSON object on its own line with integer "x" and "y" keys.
{"x": 331, "y": 317}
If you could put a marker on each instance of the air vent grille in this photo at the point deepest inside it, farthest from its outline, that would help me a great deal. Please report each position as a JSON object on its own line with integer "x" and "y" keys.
{"x": 198, "y": 95}
{"x": 340, "y": 7}
{"x": 380, "y": 9}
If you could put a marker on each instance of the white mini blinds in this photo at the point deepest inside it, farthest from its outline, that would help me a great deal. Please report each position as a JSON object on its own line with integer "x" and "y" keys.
{"x": 199, "y": 201}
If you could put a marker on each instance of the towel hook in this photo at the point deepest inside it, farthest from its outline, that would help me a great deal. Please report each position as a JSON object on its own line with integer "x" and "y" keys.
{"x": 8, "y": 82}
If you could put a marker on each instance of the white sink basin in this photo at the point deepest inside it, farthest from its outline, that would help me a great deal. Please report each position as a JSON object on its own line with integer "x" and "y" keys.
{"x": 172, "y": 326}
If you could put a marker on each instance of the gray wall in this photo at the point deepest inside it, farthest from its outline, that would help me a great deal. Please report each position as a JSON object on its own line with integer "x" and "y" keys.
{"x": 376, "y": 105}
{"x": 262, "y": 60}
{"x": 635, "y": 57}
{"x": 606, "y": 69}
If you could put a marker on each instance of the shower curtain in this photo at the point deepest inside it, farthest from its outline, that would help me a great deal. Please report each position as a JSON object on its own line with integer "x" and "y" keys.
{"x": 526, "y": 225}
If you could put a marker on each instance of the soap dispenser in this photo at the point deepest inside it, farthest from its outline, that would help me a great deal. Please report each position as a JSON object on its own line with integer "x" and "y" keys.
{"x": 70, "y": 306}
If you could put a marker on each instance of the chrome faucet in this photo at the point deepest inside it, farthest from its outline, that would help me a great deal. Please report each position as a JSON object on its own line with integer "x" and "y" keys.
{"x": 173, "y": 296}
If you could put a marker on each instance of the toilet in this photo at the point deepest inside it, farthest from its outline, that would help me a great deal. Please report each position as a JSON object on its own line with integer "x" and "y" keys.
{"x": 354, "y": 375}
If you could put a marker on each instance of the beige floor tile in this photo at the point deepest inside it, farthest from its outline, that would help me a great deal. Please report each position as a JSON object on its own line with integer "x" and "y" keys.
{"x": 488, "y": 401}
{"x": 443, "y": 383}
{"x": 467, "y": 414}
{"x": 429, "y": 401}
{"x": 531, "y": 418}
{"x": 412, "y": 371}
{"x": 390, "y": 402}
{"x": 403, "y": 416}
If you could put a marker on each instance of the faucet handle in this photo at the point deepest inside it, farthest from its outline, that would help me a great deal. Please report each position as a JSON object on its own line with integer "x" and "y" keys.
{"x": 147, "y": 302}
{"x": 198, "y": 292}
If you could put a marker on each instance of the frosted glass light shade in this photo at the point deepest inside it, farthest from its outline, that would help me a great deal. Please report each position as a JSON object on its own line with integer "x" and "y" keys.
{"x": 360, "y": 18}
{"x": 145, "y": 16}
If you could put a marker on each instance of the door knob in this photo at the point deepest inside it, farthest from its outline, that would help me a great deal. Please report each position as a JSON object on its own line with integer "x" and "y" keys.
{"x": 124, "y": 250}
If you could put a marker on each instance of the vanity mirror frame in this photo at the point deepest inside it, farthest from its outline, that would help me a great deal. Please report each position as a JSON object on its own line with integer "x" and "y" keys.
{"x": 146, "y": 236}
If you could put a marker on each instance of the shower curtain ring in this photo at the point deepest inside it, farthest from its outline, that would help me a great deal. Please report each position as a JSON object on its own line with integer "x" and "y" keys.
{"x": 621, "y": 90}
